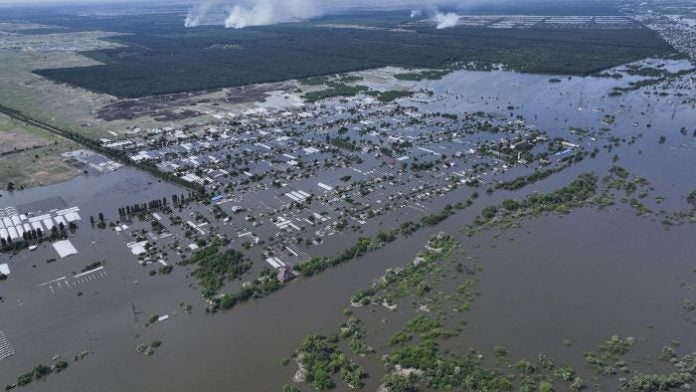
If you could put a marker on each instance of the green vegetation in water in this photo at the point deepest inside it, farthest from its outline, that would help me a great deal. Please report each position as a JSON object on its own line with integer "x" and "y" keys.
{"x": 414, "y": 356}
{"x": 165, "y": 269}
{"x": 581, "y": 192}
{"x": 266, "y": 283}
{"x": 691, "y": 199}
{"x": 215, "y": 265}
{"x": 522, "y": 181}
{"x": 389, "y": 96}
{"x": 609, "y": 360}
{"x": 434, "y": 74}
{"x": 361, "y": 247}
{"x": 335, "y": 90}
{"x": 354, "y": 331}
{"x": 633, "y": 191}
{"x": 92, "y": 266}
{"x": 632, "y": 86}
{"x": 260, "y": 287}
{"x": 398, "y": 283}
{"x": 321, "y": 359}
{"x": 428, "y": 366}
{"x": 366, "y": 245}
{"x": 510, "y": 213}
{"x": 40, "y": 372}
{"x": 315, "y": 80}
{"x": 148, "y": 349}
{"x": 350, "y": 79}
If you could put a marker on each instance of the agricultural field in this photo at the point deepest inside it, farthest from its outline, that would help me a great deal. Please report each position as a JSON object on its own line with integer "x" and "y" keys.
{"x": 26, "y": 48}
{"x": 31, "y": 157}
{"x": 42, "y": 99}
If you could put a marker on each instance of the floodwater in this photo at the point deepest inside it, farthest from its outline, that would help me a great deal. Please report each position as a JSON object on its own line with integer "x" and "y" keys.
{"x": 582, "y": 277}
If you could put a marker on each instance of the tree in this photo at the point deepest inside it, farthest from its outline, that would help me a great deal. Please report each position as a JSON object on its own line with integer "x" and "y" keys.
{"x": 396, "y": 383}
{"x": 691, "y": 198}
{"x": 545, "y": 386}
{"x": 322, "y": 380}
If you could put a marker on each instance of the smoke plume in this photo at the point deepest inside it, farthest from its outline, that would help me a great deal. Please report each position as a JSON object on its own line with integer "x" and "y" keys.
{"x": 196, "y": 15}
{"x": 444, "y": 21}
{"x": 243, "y": 13}
{"x": 267, "y": 12}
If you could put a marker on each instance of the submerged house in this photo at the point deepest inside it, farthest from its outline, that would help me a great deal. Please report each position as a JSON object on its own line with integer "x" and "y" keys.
{"x": 285, "y": 274}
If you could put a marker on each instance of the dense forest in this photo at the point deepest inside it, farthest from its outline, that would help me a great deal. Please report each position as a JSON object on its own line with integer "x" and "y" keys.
{"x": 159, "y": 56}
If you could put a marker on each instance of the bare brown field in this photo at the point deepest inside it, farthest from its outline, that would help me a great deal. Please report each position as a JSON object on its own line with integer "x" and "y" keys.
{"x": 15, "y": 140}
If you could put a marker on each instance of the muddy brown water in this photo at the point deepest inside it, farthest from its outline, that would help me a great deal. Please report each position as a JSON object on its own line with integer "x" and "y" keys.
{"x": 582, "y": 277}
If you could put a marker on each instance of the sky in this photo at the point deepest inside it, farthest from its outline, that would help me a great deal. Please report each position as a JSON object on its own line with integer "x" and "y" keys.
{"x": 194, "y": 2}
{"x": 28, "y": 2}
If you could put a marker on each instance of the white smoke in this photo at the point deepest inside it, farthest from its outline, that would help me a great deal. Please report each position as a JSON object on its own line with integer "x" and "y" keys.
{"x": 196, "y": 15}
{"x": 243, "y": 13}
{"x": 444, "y": 21}
{"x": 267, "y": 12}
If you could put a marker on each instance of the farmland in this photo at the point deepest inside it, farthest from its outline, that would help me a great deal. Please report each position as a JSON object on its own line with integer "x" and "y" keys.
{"x": 30, "y": 156}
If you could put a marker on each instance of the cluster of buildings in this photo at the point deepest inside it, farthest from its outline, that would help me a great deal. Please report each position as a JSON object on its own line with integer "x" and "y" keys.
{"x": 548, "y": 21}
{"x": 674, "y": 21}
{"x": 287, "y": 178}
{"x": 15, "y": 226}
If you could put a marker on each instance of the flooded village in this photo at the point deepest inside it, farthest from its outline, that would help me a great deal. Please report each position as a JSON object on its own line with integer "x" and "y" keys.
{"x": 535, "y": 228}
{"x": 285, "y": 185}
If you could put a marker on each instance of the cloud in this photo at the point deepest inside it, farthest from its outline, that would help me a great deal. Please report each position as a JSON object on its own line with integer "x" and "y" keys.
{"x": 445, "y": 20}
